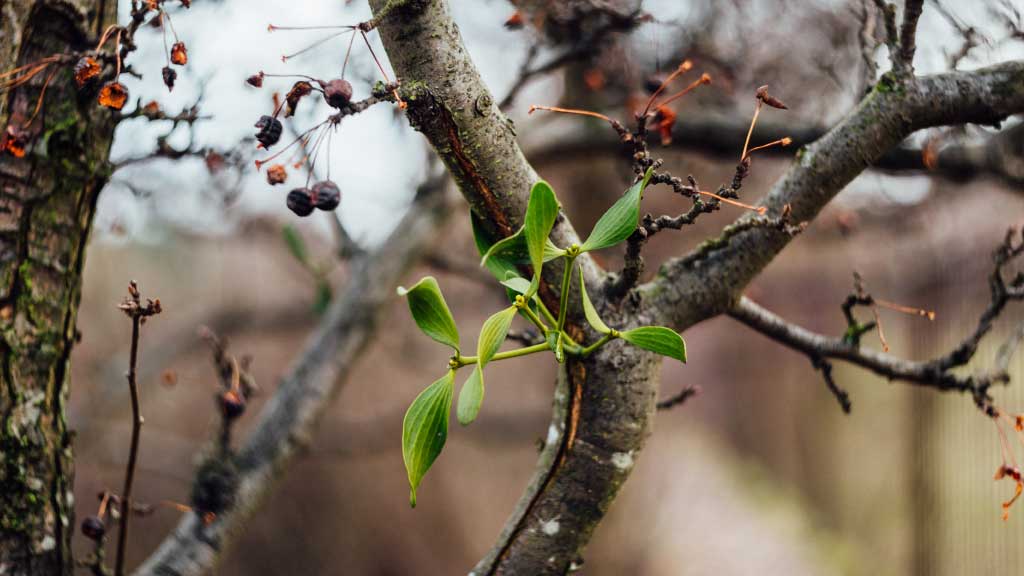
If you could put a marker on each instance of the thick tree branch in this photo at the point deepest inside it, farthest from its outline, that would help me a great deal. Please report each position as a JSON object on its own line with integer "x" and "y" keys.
{"x": 289, "y": 418}
{"x": 707, "y": 281}
{"x": 721, "y": 136}
{"x": 604, "y": 405}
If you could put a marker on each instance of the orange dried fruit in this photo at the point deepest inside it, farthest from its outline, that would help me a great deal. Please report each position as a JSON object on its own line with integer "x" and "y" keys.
{"x": 113, "y": 95}
{"x": 277, "y": 174}
{"x": 86, "y": 69}
{"x": 179, "y": 55}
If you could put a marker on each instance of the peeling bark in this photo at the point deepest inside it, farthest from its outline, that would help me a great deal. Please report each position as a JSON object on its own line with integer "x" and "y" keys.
{"x": 47, "y": 201}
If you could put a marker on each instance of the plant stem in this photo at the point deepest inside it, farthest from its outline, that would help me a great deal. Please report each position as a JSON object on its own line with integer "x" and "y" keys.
{"x": 465, "y": 360}
{"x": 129, "y": 477}
{"x": 563, "y": 297}
{"x": 587, "y": 351}
{"x": 533, "y": 318}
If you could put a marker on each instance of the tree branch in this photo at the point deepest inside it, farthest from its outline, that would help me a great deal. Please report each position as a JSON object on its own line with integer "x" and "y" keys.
{"x": 721, "y": 136}
{"x": 290, "y": 417}
{"x": 707, "y": 281}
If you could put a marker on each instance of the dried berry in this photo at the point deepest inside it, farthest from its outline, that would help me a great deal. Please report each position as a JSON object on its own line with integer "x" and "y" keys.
{"x": 337, "y": 93}
{"x": 93, "y": 528}
{"x": 179, "y": 55}
{"x": 276, "y": 174}
{"x": 326, "y": 195}
{"x": 113, "y": 95}
{"x": 256, "y": 80}
{"x": 299, "y": 89}
{"x": 232, "y": 405}
{"x": 269, "y": 131}
{"x": 86, "y": 69}
{"x": 300, "y": 201}
{"x": 169, "y": 77}
{"x": 15, "y": 140}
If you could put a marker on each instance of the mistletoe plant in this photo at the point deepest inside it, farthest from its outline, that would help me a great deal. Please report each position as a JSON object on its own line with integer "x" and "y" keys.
{"x": 425, "y": 428}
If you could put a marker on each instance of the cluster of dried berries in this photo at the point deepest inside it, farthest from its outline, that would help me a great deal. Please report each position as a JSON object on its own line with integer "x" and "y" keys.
{"x": 337, "y": 93}
{"x": 323, "y": 195}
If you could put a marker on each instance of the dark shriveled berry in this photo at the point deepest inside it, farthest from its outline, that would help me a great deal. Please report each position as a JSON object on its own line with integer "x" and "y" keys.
{"x": 326, "y": 195}
{"x": 269, "y": 131}
{"x": 338, "y": 93}
{"x": 93, "y": 528}
{"x": 300, "y": 201}
{"x": 169, "y": 77}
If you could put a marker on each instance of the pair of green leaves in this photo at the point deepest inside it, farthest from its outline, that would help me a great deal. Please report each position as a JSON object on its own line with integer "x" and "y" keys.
{"x": 425, "y": 427}
{"x": 541, "y": 213}
{"x": 658, "y": 339}
{"x": 531, "y": 240}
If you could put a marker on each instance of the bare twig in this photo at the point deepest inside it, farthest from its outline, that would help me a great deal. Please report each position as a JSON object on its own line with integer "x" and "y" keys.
{"x": 936, "y": 373}
{"x": 679, "y": 398}
{"x": 133, "y": 307}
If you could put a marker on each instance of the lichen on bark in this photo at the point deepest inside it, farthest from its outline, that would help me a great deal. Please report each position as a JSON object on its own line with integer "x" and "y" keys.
{"x": 47, "y": 201}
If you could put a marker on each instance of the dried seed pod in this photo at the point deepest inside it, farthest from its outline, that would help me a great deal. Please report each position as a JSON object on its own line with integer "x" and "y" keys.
{"x": 300, "y": 201}
{"x": 299, "y": 89}
{"x": 86, "y": 69}
{"x": 269, "y": 131}
{"x": 113, "y": 95}
{"x": 93, "y": 528}
{"x": 215, "y": 485}
{"x": 214, "y": 161}
{"x": 179, "y": 55}
{"x": 232, "y": 405}
{"x": 169, "y": 77}
{"x": 763, "y": 95}
{"x": 256, "y": 80}
{"x": 337, "y": 93}
{"x": 515, "y": 21}
{"x": 326, "y": 195}
{"x": 664, "y": 121}
{"x": 276, "y": 174}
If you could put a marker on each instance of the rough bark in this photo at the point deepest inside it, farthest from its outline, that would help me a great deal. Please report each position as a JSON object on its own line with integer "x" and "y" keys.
{"x": 604, "y": 406}
{"x": 47, "y": 200}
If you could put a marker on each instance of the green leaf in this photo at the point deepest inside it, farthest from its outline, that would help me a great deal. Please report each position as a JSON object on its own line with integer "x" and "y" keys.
{"x": 425, "y": 430}
{"x": 620, "y": 220}
{"x": 323, "y": 296}
{"x": 471, "y": 397}
{"x": 516, "y": 284}
{"x": 430, "y": 311}
{"x": 509, "y": 246}
{"x": 658, "y": 339}
{"x": 541, "y": 213}
{"x": 588, "y": 308}
{"x": 493, "y": 334}
{"x": 509, "y": 253}
{"x": 296, "y": 245}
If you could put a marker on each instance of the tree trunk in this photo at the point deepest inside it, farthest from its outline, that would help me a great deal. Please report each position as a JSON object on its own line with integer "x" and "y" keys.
{"x": 47, "y": 199}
